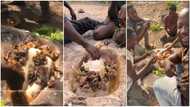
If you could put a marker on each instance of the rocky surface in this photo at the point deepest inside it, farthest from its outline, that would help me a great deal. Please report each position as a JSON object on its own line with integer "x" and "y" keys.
{"x": 11, "y": 36}
{"x": 73, "y": 53}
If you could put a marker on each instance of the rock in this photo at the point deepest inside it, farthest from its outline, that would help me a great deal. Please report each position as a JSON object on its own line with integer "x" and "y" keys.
{"x": 11, "y": 36}
{"x": 73, "y": 53}
{"x": 81, "y": 11}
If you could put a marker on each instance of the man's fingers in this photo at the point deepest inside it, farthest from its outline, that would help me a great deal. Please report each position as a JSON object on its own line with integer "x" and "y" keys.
{"x": 97, "y": 55}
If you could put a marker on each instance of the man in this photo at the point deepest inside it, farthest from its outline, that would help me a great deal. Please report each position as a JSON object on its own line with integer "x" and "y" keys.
{"x": 173, "y": 89}
{"x": 131, "y": 61}
{"x": 138, "y": 25}
{"x": 112, "y": 21}
{"x": 101, "y": 30}
{"x": 119, "y": 35}
{"x": 170, "y": 23}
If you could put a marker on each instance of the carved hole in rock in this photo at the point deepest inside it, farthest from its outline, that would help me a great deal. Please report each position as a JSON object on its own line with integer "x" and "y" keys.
{"x": 99, "y": 77}
{"x": 37, "y": 62}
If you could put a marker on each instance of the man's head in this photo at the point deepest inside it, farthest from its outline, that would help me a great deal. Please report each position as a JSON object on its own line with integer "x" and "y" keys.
{"x": 183, "y": 27}
{"x": 172, "y": 9}
{"x": 131, "y": 12}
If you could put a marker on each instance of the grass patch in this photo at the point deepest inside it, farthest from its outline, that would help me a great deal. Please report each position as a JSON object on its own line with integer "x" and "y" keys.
{"x": 172, "y": 3}
{"x": 155, "y": 27}
{"x": 49, "y": 32}
{"x": 158, "y": 72}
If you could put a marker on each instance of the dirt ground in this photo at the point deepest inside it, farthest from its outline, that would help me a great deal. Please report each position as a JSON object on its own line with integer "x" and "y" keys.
{"x": 94, "y": 10}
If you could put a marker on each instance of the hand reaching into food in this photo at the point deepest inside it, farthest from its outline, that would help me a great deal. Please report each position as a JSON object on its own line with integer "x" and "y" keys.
{"x": 94, "y": 52}
{"x": 162, "y": 57}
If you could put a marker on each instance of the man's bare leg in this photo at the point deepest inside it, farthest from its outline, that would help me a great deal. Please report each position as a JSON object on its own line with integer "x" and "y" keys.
{"x": 104, "y": 31}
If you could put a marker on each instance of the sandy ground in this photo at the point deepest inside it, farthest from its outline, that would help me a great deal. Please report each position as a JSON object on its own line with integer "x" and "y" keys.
{"x": 95, "y": 10}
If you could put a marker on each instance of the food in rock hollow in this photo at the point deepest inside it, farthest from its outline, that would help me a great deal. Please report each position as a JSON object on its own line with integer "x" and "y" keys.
{"x": 37, "y": 62}
{"x": 96, "y": 75}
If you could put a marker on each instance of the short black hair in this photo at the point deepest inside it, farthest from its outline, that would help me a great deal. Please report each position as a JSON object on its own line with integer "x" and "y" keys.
{"x": 173, "y": 7}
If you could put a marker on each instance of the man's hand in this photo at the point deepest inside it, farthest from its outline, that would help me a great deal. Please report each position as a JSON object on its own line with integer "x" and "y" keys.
{"x": 168, "y": 66}
{"x": 94, "y": 52}
{"x": 74, "y": 17}
{"x": 146, "y": 24}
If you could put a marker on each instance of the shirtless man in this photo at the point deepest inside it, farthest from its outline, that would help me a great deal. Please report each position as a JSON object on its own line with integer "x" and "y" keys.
{"x": 173, "y": 89}
{"x": 101, "y": 30}
{"x": 105, "y": 29}
{"x": 170, "y": 23}
{"x": 138, "y": 25}
{"x": 131, "y": 60}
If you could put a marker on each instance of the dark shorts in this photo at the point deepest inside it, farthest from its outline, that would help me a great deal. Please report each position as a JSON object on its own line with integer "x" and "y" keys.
{"x": 85, "y": 24}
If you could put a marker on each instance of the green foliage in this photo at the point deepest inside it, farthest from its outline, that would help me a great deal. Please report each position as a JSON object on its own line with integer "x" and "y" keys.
{"x": 2, "y": 103}
{"x": 49, "y": 33}
{"x": 155, "y": 27}
{"x": 158, "y": 72}
{"x": 171, "y": 3}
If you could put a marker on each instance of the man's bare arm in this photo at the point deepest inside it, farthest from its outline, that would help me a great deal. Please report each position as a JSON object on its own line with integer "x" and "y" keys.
{"x": 66, "y": 4}
{"x": 70, "y": 32}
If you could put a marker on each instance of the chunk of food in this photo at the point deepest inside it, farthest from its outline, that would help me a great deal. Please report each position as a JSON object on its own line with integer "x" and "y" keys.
{"x": 97, "y": 66}
{"x": 37, "y": 63}
{"x": 162, "y": 54}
